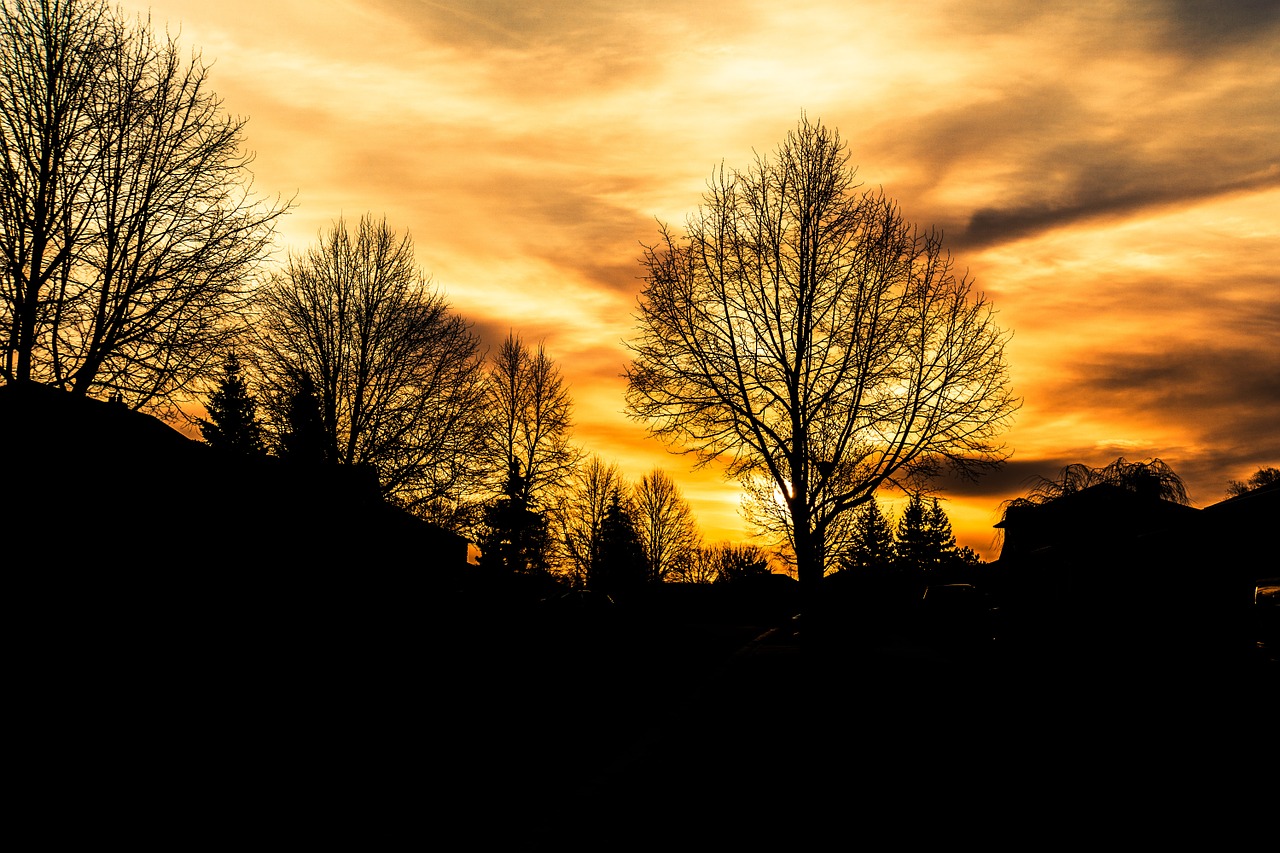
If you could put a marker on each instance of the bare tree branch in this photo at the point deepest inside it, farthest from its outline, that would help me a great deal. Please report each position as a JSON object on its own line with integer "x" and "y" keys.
{"x": 127, "y": 221}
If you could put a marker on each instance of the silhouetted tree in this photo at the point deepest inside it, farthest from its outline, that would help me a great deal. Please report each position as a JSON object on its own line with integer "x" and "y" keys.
{"x": 127, "y": 225}
{"x": 233, "y": 414}
{"x": 580, "y": 519}
{"x": 665, "y": 524}
{"x": 532, "y": 418}
{"x": 872, "y": 548}
{"x": 734, "y": 561}
{"x": 924, "y": 541}
{"x": 619, "y": 567}
{"x": 1152, "y": 478}
{"x": 698, "y": 567}
{"x": 397, "y": 374}
{"x": 1261, "y": 477}
{"x": 515, "y": 534}
{"x": 301, "y": 437}
{"x": 808, "y": 336}
{"x": 939, "y": 527}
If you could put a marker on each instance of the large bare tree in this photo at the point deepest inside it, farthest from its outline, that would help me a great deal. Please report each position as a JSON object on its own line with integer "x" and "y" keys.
{"x": 397, "y": 375}
{"x": 802, "y": 332}
{"x": 127, "y": 221}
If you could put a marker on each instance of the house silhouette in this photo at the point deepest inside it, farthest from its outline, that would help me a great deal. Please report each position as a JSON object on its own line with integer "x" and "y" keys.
{"x": 1107, "y": 568}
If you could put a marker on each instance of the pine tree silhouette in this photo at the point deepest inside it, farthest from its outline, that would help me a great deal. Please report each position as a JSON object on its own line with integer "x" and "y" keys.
{"x": 303, "y": 438}
{"x": 516, "y": 537}
{"x": 924, "y": 540}
{"x": 619, "y": 565}
{"x": 872, "y": 549}
{"x": 233, "y": 414}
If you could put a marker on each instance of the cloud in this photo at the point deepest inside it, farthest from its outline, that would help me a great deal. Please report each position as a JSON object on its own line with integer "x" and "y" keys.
{"x": 1074, "y": 112}
{"x": 1207, "y": 385}
{"x": 1111, "y": 187}
{"x": 1042, "y": 157}
{"x": 1198, "y": 28}
{"x": 1205, "y": 410}
{"x": 562, "y": 49}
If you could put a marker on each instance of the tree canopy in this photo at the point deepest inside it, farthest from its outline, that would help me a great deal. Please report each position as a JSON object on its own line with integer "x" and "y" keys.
{"x": 396, "y": 374}
{"x": 804, "y": 334}
{"x": 128, "y": 226}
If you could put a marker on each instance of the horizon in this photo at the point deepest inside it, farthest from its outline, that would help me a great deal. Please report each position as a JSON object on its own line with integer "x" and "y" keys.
{"x": 1109, "y": 177}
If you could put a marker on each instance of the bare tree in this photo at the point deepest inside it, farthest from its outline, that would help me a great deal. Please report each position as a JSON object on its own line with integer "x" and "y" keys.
{"x": 532, "y": 417}
{"x": 701, "y": 567}
{"x": 127, "y": 222}
{"x": 1264, "y": 476}
{"x": 665, "y": 524}
{"x": 805, "y": 334}
{"x": 580, "y": 518}
{"x": 734, "y": 561}
{"x": 397, "y": 375}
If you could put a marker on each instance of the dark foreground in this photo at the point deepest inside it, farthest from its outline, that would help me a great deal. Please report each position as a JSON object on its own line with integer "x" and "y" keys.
{"x": 333, "y": 720}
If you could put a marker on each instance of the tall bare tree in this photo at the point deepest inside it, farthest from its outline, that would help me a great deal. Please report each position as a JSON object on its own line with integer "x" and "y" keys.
{"x": 397, "y": 374}
{"x": 665, "y": 524}
{"x": 533, "y": 419}
{"x": 127, "y": 221}
{"x": 803, "y": 333}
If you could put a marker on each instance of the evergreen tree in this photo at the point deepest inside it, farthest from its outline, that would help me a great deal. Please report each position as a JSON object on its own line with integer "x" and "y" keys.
{"x": 619, "y": 567}
{"x": 515, "y": 536}
{"x": 909, "y": 539}
{"x": 941, "y": 540}
{"x": 924, "y": 539}
{"x": 303, "y": 438}
{"x": 872, "y": 548}
{"x": 233, "y": 414}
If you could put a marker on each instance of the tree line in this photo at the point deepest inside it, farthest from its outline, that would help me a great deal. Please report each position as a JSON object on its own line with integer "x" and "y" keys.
{"x": 798, "y": 331}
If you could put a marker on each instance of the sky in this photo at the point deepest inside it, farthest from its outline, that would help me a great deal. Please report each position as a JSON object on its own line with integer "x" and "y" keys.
{"x": 1107, "y": 172}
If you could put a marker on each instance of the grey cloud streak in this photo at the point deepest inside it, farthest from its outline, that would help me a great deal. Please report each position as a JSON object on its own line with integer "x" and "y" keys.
{"x": 1135, "y": 119}
{"x": 1094, "y": 197}
{"x": 1225, "y": 399}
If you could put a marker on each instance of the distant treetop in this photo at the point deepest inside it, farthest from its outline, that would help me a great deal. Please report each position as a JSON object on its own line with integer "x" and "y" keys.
{"x": 1261, "y": 477}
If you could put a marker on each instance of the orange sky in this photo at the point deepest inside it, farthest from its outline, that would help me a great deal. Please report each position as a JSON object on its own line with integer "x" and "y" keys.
{"x": 1108, "y": 172}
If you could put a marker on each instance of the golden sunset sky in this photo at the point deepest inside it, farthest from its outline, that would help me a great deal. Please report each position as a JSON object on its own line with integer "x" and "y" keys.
{"x": 1108, "y": 172}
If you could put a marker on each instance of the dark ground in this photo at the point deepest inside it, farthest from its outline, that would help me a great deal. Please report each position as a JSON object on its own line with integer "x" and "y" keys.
{"x": 174, "y": 684}
{"x": 472, "y": 729}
